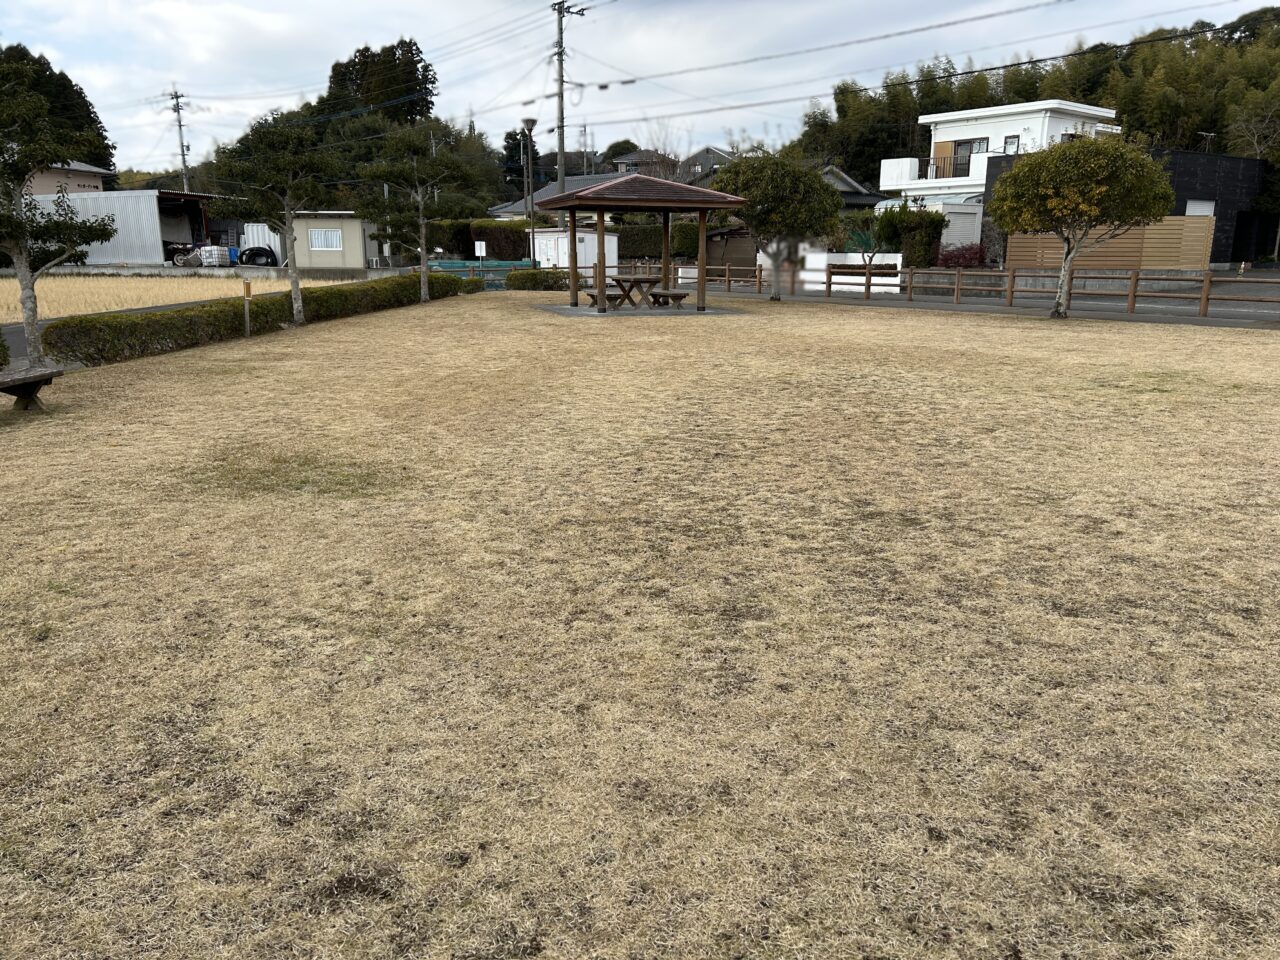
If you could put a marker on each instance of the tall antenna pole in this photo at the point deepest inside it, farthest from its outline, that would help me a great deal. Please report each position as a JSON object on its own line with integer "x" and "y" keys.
{"x": 561, "y": 7}
{"x": 183, "y": 146}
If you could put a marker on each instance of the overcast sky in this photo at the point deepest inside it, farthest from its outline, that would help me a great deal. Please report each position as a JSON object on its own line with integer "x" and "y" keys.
{"x": 237, "y": 60}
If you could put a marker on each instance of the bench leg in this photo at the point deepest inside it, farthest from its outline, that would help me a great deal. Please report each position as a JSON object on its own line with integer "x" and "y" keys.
{"x": 25, "y": 396}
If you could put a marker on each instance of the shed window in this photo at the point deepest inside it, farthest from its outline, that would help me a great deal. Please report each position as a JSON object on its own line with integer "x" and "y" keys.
{"x": 325, "y": 239}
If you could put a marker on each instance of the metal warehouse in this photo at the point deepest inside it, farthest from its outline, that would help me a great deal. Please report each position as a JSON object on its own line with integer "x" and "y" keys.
{"x": 149, "y": 223}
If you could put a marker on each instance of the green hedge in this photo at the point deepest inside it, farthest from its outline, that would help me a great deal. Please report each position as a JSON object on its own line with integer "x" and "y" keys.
{"x": 4, "y": 354}
{"x": 473, "y": 285}
{"x": 504, "y": 239}
{"x": 637, "y": 241}
{"x": 112, "y": 337}
{"x": 538, "y": 280}
{"x": 684, "y": 240}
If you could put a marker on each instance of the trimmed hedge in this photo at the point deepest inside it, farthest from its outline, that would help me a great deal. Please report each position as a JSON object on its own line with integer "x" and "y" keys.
{"x": 4, "y": 354}
{"x": 473, "y": 285}
{"x": 504, "y": 239}
{"x": 684, "y": 239}
{"x": 638, "y": 241}
{"x": 538, "y": 280}
{"x": 112, "y": 337}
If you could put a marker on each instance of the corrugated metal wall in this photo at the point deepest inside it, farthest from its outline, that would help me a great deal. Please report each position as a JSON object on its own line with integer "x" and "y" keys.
{"x": 1181, "y": 243}
{"x": 260, "y": 235}
{"x": 137, "y": 221}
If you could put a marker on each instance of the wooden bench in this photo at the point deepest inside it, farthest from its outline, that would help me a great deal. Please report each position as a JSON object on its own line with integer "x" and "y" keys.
{"x": 24, "y": 385}
{"x": 669, "y": 298}
{"x": 610, "y": 299}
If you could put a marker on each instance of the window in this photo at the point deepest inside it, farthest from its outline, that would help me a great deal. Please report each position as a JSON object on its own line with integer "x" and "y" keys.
{"x": 697, "y": 168}
{"x": 325, "y": 239}
{"x": 1012, "y": 144}
{"x": 1200, "y": 208}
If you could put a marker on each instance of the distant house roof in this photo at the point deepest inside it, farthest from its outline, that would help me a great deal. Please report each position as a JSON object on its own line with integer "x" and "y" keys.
{"x": 635, "y": 191}
{"x": 75, "y": 166}
{"x": 1069, "y": 107}
{"x": 642, "y": 156}
{"x": 854, "y": 193}
{"x": 516, "y": 207}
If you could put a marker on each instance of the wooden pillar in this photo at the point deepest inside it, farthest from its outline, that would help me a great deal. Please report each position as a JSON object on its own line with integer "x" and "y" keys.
{"x": 666, "y": 250}
{"x": 573, "y": 258}
{"x": 702, "y": 260}
{"x": 601, "y": 303}
{"x": 1011, "y": 281}
{"x": 1205, "y": 287}
{"x": 1132, "y": 303}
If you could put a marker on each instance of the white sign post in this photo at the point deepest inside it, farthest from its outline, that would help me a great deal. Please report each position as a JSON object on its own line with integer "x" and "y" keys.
{"x": 480, "y": 248}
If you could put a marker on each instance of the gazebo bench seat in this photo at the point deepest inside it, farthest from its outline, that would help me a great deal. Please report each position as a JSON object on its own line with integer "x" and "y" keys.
{"x": 612, "y": 299}
{"x": 672, "y": 298}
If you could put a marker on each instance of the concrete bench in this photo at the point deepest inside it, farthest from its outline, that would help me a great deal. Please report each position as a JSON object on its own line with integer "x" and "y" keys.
{"x": 24, "y": 385}
{"x": 669, "y": 298}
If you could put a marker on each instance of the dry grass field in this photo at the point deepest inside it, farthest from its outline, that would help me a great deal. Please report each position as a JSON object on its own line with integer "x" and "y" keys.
{"x": 63, "y": 296}
{"x": 478, "y": 632}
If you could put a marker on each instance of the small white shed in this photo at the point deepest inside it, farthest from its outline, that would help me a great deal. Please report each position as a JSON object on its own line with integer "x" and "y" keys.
{"x": 552, "y": 247}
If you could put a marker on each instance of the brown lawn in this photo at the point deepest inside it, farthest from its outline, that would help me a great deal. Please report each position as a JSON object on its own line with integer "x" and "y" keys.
{"x": 477, "y": 632}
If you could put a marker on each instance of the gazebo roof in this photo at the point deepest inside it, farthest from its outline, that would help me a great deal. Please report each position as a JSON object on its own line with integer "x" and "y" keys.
{"x": 638, "y": 192}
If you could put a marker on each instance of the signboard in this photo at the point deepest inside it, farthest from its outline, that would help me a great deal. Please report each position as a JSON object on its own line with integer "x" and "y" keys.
{"x": 479, "y": 248}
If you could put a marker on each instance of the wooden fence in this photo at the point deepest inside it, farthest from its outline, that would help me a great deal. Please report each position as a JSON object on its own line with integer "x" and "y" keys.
{"x": 1175, "y": 243}
{"x": 1200, "y": 288}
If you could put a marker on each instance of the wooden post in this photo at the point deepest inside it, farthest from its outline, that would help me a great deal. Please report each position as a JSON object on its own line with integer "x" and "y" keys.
{"x": 1132, "y": 303}
{"x": 911, "y": 283}
{"x": 728, "y": 278}
{"x": 866, "y": 284}
{"x": 248, "y": 295}
{"x": 573, "y": 258}
{"x": 759, "y": 278}
{"x": 601, "y": 303}
{"x": 1011, "y": 286}
{"x": 702, "y": 260}
{"x": 828, "y": 281}
{"x": 666, "y": 250}
{"x": 1205, "y": 288}
{"x": 959, "y": 274}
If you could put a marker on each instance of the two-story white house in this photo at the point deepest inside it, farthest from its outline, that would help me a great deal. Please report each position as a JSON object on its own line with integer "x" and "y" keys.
{"x": 961, "y": 141}
{"x": 953, "y": 178}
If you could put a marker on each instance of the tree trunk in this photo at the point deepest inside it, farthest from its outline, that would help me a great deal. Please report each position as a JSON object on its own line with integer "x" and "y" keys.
{"x": 424, "y": 268}
{"x": 1069, "y": 250}
{"x": 291, "y": 268}
{"x": 30, "y": 313}
{"x": 775, "y": 258}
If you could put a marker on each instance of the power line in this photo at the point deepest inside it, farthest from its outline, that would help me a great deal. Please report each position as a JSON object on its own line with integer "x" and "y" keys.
{"x": 892, "y": 35}
{"x": 1095, "y": 49}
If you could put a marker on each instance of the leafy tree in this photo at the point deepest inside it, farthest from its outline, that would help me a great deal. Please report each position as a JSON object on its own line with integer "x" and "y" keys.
{"x": 278, "y": 167}
{"x": 1083, "y": 191}
{"x": 69, "y": 109}
{"x": 33, "y": 138}
{"x": 396, "y": 76}
{"x": 786, "y": 202}
{"x": 619, "y": 148}
{"x": 415, "y": 166}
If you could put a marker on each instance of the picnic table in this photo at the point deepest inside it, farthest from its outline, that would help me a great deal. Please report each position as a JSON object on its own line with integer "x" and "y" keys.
{"x": 24, "y": 385}
{"x": 633, "y": 284}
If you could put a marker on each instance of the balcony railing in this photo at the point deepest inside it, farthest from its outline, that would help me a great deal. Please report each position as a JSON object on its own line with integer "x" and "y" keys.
{"x": 940, "y": 168}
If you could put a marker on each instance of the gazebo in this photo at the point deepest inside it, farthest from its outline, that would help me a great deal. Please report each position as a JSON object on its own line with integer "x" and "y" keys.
{"x": 639, "y": 194}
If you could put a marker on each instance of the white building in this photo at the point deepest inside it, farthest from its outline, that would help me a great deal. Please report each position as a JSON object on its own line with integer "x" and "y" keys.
{"x": 961, "y": 141}
{"x": 552, "y": 247}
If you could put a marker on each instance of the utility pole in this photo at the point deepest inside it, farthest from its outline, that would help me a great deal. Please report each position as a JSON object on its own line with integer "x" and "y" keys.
{"x": 561, "y": 7}
{"x": 183, "y": 146}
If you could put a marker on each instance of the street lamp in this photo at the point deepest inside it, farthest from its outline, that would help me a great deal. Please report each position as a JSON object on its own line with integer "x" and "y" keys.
{"x": 529, "y": 123}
